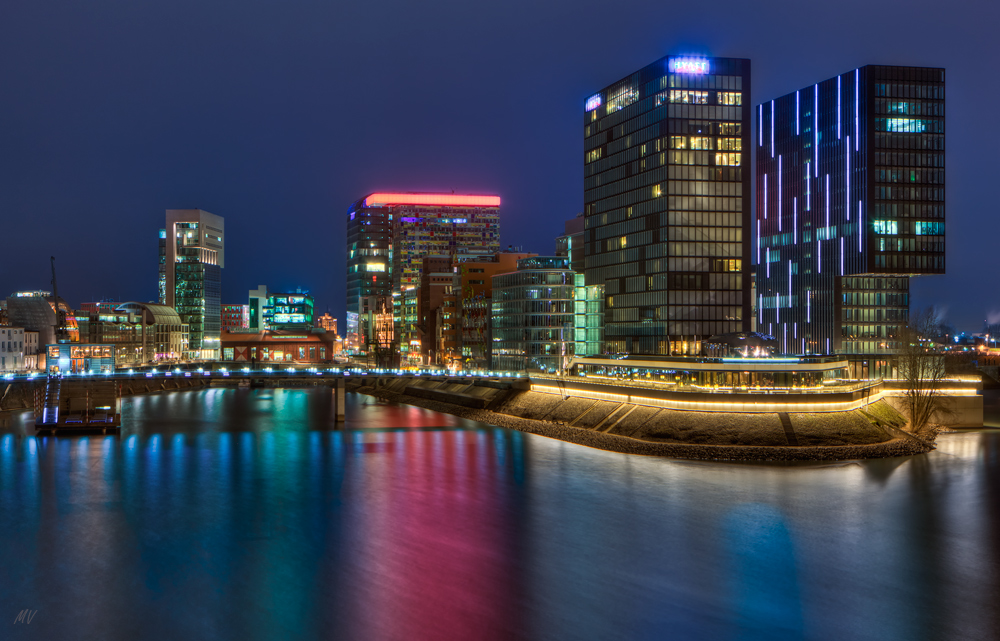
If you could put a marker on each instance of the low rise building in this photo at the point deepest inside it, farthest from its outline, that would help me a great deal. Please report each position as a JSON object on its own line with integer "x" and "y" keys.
{"x": 235, "y": 318}
{"x": 278, "y": 346}
{"x": 11, "y": 349}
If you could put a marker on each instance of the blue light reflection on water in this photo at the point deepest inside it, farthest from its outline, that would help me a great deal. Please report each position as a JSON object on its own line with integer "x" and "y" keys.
{"x": 226, "y": 514}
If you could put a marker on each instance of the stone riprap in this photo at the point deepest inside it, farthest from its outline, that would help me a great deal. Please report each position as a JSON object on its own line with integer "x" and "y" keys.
{"x": 872, "y": 432}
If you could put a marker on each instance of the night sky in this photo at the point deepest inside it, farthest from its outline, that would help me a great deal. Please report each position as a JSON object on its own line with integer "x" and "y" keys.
{"x": 278, "y": 115}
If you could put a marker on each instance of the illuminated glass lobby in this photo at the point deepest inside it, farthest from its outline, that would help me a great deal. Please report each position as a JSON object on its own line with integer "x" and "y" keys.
{"x": 667, "y": 203}
{"x": 850, "y": 204}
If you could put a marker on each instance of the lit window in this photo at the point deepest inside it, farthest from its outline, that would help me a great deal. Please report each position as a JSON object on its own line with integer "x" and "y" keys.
{"x": 734, "y": 98}
{"x": 904, "y": 125}
{"x": 886, "y": 227}
{"x": 678, "y": 142}
{"x": 730, "y": 160}
{"x": 700, "y": 143}
{"x": 686, "y": 97}
{"x": 730, "y": 144}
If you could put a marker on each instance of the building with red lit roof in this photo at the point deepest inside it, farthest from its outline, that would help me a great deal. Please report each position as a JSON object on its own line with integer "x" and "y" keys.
{"x": 388, "y": 236}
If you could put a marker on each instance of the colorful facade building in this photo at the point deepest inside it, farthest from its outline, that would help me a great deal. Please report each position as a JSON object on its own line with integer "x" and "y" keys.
{"x": 235, "y": 318}
{"x": 388, "y": 236}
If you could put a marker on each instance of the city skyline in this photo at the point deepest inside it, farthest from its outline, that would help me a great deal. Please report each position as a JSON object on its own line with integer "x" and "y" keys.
{"x": 110, "y": 131}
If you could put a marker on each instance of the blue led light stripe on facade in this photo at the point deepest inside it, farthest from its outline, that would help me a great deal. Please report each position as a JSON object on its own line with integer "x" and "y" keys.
{"x": 795, "y": 220}
{"x": 779, "y": 193}
{"x": 789, "y": 284}
{"x": 796, "y": 113}
{"x": 765, "y": 196}
{"x": 841, "y": 255}
{"x": 760, "y": 125}
{"x": 772, "y": 129}
{"x": 767, "y": 259}
{"x": 827, "y": 190}
{"x": 838, "y": 108}
{"x": 759, "y": 240}
{"x": 808, "y": 189}
{"x": 847, "y": 194}
{"x": 857, "y": 127}
{"x": 819, "y": 257}
{"x": 816, "y": 129}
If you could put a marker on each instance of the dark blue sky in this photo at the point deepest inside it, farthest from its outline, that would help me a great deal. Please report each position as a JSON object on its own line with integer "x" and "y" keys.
{"x": 278, "y": 115}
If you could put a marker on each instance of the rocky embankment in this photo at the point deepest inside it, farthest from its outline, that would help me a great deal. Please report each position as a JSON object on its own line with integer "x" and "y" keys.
{"x": 874, "y": 432}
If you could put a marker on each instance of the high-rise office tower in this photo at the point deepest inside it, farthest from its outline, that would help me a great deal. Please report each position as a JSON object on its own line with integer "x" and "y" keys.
{"x": 850, "y": 204}
{"x": 388, "y": 236}
{"x": 667, "y": 204}
{"x": 192, "y": 255}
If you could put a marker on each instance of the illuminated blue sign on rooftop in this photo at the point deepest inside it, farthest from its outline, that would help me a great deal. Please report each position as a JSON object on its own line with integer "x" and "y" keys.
{"x": 593, "y": 102}
{"x": 689, "y": 65}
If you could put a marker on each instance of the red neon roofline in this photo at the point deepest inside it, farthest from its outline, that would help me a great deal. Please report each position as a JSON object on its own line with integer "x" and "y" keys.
{"x": 447, "y": 200}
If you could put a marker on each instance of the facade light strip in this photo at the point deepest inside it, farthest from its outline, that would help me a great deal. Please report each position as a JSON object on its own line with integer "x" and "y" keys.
{"x": 765, "y": 196}
{"x": 808, "y": 188}
{"x": 779, "y": 194}
{"x": 795, "y": 220}
{"x": 772, "y": 129}
{"x": 760, "y": 125}
{"x": 797, "y": 113}
{"x": 819, "y": 257}
{"x": 847, "y": 195}
{"x": 767, "y": 255}
{"x": 860, "y": 233}
{"x": 857, "y": 128}
{"x": 841, "y": 255}
{"x": 827, "y": 190}
{"x": 838, "y": 108}
{"x": 816, "y": 130}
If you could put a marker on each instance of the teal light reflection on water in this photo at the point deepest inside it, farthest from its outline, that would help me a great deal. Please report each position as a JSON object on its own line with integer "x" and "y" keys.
{"x": 257, "y": 517}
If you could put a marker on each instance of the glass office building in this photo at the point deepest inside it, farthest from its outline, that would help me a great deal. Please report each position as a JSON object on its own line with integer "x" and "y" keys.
{"x": 369, "y": 264}
{"x": 667, "y": 204}
{"x": 850, "y": 204}
{"x": 192, "y": 256}
{"x": 533, "y": 314}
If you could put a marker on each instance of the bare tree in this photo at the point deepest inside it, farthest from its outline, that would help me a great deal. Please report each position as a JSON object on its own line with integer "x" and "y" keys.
{"x": 921, "y": 369}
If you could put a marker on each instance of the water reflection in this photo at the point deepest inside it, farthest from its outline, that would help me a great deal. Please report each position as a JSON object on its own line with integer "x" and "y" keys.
{"x": 230, "y": 514}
